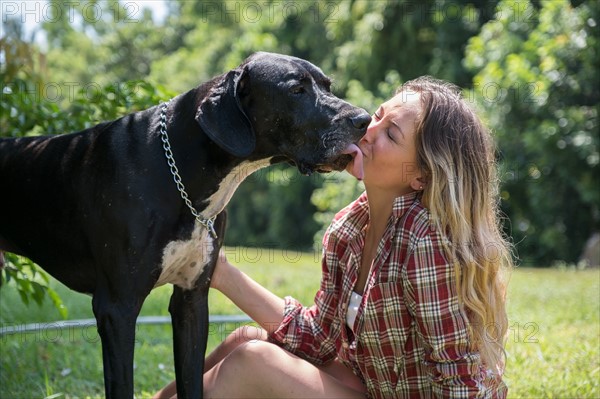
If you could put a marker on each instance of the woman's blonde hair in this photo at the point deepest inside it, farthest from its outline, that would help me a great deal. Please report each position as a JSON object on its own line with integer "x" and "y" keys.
{"x": 456, "y": 153}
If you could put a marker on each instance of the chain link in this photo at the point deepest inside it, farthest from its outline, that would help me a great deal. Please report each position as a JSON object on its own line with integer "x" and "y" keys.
{"x": 208, "y": 223}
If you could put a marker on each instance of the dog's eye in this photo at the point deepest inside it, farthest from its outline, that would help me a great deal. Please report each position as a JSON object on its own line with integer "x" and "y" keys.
{"x": 298, "y": 89}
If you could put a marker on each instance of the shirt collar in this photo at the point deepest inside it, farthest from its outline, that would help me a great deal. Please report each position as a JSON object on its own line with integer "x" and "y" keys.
{"x": 401, "y": 204}
{"x": 360, "y": 214}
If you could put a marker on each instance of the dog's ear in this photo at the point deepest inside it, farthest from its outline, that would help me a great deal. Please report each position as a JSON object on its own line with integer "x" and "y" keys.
{"x": 222, "y": 117}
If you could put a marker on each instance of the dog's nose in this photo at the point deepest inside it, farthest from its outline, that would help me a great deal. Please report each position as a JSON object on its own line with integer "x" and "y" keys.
{"x": 361, "y": 121}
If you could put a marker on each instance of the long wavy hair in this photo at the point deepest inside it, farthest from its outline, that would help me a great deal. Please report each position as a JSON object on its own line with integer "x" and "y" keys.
{"x": 456, "y": 153}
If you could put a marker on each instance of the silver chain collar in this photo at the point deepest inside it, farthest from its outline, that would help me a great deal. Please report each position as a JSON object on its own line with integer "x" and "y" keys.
{"x": 208, "y": 223}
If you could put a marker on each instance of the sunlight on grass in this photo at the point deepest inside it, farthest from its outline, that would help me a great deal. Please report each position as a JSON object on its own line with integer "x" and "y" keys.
{"x": 553, "y": 342}
{"x": 554, "y": 336}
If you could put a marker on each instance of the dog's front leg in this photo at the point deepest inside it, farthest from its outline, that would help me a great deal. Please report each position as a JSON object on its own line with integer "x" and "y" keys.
{"x": 116, "y": 326}
{"x": 189, "y": 314}
{"x": 189, "y": 317}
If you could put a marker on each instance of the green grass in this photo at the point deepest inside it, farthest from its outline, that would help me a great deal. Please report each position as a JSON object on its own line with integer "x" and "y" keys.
{"x": 554, "y": 341}
{"x": 553, "y": 347}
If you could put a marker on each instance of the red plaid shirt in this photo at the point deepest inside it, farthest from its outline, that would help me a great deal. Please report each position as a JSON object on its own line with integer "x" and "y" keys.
{"x": 410, "y": 336}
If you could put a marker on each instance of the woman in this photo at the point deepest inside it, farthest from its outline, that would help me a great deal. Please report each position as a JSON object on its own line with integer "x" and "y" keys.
{"x": 412, "y": 297}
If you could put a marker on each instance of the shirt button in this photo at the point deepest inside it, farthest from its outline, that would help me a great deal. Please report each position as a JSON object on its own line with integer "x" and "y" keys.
{"x": 345, "y": 345}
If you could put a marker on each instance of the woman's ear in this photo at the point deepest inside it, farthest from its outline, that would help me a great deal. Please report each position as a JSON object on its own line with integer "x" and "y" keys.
{"x": 418, "y": 183}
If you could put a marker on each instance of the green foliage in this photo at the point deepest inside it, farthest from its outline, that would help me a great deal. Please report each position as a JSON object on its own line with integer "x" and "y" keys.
{"x": 270, "y": 210}
{"x": 537, "y": 81}
{"x": 554, "y": 317}
{"x": 101, "y": 42}
{"x": 25, "y": 275}
{"x": 338, "y": 190}
{"x": 31, "y": 105}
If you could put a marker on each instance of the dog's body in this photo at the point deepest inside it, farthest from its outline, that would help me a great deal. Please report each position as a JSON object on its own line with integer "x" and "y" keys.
{"x": 99, "y": 209}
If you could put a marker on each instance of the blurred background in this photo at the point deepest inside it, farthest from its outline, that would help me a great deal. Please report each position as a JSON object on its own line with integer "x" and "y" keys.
{"x": 531, "y": 67}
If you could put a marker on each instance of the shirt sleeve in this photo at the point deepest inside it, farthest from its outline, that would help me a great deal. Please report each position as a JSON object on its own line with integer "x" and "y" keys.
{"x": 305, "y": 331}
{"x": 430, "y": 288}
{"x": 312, "y": 332}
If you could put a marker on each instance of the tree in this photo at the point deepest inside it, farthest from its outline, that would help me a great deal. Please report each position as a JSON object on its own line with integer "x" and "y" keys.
{"x": 537, "y": 81}
{"x": 100, "y": 42}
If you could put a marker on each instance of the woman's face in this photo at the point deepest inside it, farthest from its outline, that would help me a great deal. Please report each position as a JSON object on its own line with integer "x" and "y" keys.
{"x": 388, "y": 147}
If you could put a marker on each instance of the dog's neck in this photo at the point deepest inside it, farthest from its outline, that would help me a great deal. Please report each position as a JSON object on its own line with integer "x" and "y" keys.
{"x": 229, "y": 172}
{"x": 217, "y": 201}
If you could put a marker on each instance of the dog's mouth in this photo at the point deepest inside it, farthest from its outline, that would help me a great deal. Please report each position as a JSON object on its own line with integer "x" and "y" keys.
{"x": 308, "y": 168}
{"x": 336, "y": 163}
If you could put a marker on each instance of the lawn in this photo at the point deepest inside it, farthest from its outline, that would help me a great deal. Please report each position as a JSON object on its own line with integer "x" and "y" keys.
{"x": 553, "y": 345}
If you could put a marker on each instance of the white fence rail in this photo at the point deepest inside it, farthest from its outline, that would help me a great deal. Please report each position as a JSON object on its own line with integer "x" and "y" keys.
{"x": 85, "y": 323}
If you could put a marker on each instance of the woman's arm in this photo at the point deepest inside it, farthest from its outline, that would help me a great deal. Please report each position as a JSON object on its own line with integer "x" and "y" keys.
{"x": 300, "y": 330}
{"x": 256, "y": 301}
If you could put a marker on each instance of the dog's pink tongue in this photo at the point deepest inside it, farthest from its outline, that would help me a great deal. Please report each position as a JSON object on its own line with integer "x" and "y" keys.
{"x": 355, "y": 168}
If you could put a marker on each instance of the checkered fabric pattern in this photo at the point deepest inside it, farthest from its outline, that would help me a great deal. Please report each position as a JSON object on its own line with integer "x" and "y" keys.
{"x": 410, "y": 338}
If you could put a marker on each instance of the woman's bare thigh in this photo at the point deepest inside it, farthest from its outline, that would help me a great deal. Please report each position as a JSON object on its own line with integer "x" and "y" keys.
{"x": 343, "y": 374}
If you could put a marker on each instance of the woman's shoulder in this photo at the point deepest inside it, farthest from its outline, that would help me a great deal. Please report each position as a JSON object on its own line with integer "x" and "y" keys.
{"x": 419, "y": 218}
{"x": 418, "y": 222}
{"x": 426, "y": 257}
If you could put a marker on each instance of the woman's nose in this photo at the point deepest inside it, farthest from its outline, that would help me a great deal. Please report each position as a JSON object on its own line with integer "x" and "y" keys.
{"x": 370, "y": 130}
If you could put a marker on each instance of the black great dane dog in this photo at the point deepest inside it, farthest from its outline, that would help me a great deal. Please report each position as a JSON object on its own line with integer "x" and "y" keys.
{"x": 100, "y": 211}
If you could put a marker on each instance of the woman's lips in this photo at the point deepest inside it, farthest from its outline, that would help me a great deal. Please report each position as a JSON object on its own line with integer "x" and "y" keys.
{"x": 355, "y": 168}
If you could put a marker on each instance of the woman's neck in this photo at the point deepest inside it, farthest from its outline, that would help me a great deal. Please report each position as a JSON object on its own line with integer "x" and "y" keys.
{"x": 380, "y": 210}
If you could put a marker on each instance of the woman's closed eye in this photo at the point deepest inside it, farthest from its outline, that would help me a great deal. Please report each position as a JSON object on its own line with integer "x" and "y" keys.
{"x": 378, "y": 114}
{"x": 390, "y": 135}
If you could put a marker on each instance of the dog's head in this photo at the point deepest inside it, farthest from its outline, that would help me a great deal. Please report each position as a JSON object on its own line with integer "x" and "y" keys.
{"x": 282, "y": 107}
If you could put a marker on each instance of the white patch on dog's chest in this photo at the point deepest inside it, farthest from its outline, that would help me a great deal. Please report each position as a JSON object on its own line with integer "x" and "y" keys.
{"x": 183, "y": 261}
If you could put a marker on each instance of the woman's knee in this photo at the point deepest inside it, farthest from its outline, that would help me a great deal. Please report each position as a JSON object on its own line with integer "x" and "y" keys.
{"x": 258, "y": 358}
{"x": 244, "y": 334}
{"x": 248, "y": 333}
{"x": 244, "y": 369}
{"x": 255, "y": 353}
